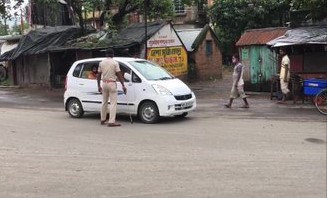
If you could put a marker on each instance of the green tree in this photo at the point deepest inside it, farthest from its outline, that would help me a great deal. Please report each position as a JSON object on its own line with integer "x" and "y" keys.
{"x": 156, "y": 8}
{"x": 317, "y": 8}
{"x": 17, "y": 29}
{"x": 162, "y": 9}
{"x": 5, "y": 14}
{"x": 231, "y": 18}
{"x": 3, "y": 29}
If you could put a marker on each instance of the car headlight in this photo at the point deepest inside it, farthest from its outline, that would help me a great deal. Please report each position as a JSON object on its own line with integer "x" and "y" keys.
{"x": 161, "y": 90}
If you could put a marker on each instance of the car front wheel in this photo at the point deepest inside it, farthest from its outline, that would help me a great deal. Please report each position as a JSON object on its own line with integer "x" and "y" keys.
{"x": 149, "y": 113}
{"x": 75, "y": 108}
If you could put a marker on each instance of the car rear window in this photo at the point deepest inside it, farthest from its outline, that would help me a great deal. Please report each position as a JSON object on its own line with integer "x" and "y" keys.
{"x": 77, "y": 70}
{"x": 83, "y": 70}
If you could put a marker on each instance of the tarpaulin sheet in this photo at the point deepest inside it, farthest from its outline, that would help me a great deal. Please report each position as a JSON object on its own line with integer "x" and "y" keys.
{"x": 300, "y": 36}
{"x": 43, "y": 40}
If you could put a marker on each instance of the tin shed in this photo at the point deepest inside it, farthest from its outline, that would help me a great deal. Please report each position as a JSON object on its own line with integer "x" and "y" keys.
{"x": 261, "y": 63}
{"x": 308, "y": 50}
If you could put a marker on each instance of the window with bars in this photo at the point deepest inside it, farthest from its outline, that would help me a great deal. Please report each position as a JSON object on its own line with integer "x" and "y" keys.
{"x": 179, "y": 7}
{"x": 208, "y": 47}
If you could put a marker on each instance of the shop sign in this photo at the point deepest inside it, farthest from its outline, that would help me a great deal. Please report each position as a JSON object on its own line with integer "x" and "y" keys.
{"x": 173, "y": 59}
{"x": 166, "y": 49}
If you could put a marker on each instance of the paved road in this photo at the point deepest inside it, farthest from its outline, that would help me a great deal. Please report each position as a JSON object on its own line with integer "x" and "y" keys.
{"x": 211, "y": 98}
{"x": 265, "y": 151}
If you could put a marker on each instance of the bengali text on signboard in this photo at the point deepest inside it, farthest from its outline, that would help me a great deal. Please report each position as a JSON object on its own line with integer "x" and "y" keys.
{"x": 173, "y": 59}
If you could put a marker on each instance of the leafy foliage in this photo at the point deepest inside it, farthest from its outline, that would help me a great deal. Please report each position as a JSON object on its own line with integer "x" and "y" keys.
{"x": 3, "y": 29}
{"x": 162, "y": 9}
{"x": 232, "y": 17}
{"x": 5, "y": 8}
{"x": 316, "y": 8}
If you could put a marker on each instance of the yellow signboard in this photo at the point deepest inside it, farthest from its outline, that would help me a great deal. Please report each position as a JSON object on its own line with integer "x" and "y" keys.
{"x": 173, "y": 59}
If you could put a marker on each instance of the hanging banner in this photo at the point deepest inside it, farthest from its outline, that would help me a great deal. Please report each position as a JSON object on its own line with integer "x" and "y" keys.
{"x": 173, "y": 59}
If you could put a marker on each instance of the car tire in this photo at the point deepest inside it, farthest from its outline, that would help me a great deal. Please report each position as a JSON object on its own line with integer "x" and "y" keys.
{"x": 75, "y": 108}
{"x": 148, "y": 112}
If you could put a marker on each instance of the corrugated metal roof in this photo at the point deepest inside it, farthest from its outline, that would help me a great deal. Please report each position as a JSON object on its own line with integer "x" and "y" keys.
{"x": 188, "y": 37}
{"x": 260, "y": 36}
{"x": 134, "y": 34}
{"x": 302, "y": 35}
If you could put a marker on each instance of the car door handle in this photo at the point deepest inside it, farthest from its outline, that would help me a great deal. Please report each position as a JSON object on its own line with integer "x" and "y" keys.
{"x": 81, "y": 84}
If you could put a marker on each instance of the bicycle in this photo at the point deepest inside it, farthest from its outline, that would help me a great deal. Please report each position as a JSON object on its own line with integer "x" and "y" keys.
{"x": 321, "y": 101}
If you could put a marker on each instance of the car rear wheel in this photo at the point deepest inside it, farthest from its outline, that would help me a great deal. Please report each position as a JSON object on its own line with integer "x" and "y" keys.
{"x": 149, "y": 113}
{"x": 75, "y": 108}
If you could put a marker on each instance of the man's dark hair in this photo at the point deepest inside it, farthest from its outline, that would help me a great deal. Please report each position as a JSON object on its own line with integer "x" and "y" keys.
{"x": 109, "y": 52}
{"x": 236, "y": 56}
{"x": 286, "y": 50}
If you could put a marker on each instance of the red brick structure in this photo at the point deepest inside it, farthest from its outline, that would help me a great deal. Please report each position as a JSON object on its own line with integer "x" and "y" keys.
{"x": 204, "y": 54}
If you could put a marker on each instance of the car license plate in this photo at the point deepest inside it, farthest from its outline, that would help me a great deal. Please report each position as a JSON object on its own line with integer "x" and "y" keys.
{"x": 186, "y": 104}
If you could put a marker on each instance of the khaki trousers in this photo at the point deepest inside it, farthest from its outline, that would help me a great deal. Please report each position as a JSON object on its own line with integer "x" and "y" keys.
{"x": 109, "y": 91}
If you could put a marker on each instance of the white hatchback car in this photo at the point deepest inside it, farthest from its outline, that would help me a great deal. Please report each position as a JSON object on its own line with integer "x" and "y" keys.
{"x": 152, "y": 92}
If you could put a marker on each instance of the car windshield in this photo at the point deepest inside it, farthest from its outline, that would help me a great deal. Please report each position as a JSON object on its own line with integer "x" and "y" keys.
{"x": 151, "y": 71}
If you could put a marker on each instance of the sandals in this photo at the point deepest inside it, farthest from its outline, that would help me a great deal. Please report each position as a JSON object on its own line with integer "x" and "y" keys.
{"x": 227, "y": 106}
{"x": 114, "y": 125}
{"x": 281, "y": 102}
{"x": 102, "y": 122}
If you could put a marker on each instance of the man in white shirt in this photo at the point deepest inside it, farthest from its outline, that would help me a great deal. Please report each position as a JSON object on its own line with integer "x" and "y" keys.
{"x": 284, "y": 75}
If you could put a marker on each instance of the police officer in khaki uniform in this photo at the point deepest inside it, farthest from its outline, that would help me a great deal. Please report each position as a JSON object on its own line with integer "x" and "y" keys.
{"x": 108, "y": 71}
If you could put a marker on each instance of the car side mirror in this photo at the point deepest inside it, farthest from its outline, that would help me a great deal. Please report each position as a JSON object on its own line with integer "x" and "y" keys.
{"x": 127, "y": 77}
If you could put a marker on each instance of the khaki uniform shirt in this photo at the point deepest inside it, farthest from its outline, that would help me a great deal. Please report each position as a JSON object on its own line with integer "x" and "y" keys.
{"x": 109, "y": 67}
{"x": 285, "y": 63}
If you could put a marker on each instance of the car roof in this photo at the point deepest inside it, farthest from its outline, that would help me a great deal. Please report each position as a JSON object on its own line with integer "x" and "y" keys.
{"x": 121, "y": 59}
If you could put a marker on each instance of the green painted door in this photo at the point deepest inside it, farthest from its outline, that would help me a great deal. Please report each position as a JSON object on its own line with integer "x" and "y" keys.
{"x": 262, "y": 67}
{"x": 255, "y": 64}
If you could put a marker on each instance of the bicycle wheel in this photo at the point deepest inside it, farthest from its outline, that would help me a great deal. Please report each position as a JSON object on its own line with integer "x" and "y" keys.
{"x": 321, "y": 101}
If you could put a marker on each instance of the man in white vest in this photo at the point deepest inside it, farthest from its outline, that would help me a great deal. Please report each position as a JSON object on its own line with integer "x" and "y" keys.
{"x": 284, "y": 74}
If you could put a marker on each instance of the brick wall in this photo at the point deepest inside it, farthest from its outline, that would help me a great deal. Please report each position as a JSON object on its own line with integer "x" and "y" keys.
{"x": 208, "y": 67}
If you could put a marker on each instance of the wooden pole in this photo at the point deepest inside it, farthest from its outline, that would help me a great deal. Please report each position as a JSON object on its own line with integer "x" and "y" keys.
{"x": 146, "y": 28}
